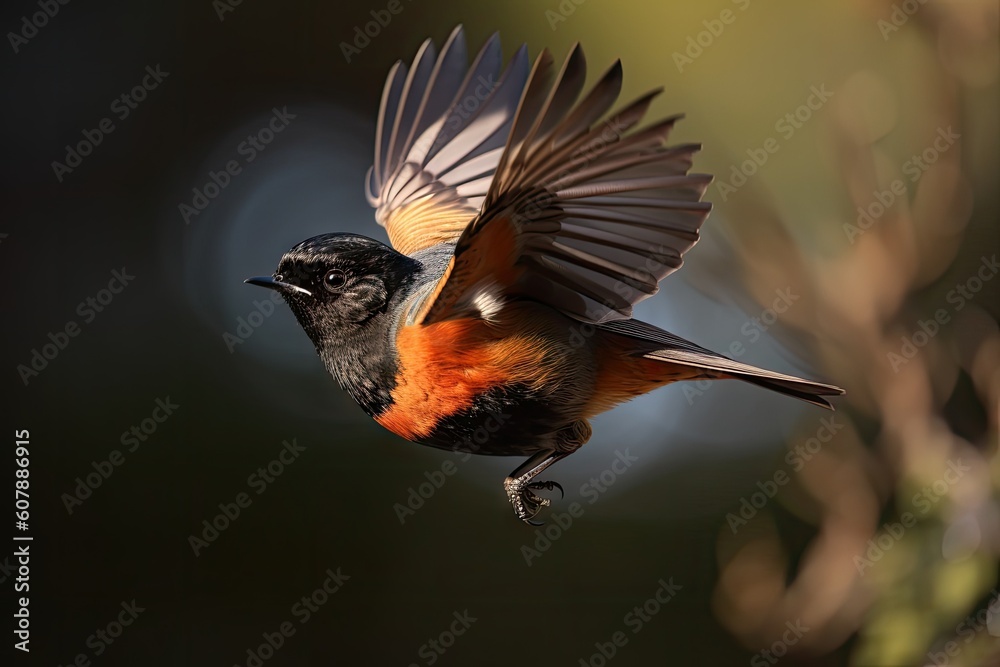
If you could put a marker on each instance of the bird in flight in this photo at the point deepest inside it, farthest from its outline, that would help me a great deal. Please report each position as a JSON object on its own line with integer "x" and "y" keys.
{"x": 526, "y": 219}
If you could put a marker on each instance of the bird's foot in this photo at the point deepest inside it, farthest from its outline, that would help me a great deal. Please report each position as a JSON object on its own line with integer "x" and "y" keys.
{"x": 526, "y": 503}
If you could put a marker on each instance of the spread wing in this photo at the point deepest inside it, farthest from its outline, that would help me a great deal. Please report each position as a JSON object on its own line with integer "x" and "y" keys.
{"x": 441, "y": 131}
{"x": 586, "y": 213}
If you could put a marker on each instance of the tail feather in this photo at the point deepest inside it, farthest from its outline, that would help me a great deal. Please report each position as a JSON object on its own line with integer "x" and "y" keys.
{"x": 673, "y": 349}
{"x": 804, "y": 390}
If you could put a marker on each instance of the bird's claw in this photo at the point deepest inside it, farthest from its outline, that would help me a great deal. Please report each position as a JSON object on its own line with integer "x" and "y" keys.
{"x": 526, "y": 503}
{"x": 548, "y": 486}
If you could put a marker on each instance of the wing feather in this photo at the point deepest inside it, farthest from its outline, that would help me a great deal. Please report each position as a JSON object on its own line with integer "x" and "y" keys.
{"x": 599, "y": 210}
{"x": 441, "y": 129}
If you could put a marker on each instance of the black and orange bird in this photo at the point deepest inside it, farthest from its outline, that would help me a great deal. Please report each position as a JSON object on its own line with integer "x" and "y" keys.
{"x": 525, "y": 220}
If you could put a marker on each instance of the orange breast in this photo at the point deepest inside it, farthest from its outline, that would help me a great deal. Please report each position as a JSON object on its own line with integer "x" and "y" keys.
{"x": 444, "y": 366}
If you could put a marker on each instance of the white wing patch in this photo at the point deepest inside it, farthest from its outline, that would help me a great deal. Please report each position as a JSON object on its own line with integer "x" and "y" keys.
{"x": 487, "y": 298}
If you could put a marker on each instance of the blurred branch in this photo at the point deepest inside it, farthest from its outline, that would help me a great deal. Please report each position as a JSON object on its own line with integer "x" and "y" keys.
{"x": 906, "y": 515}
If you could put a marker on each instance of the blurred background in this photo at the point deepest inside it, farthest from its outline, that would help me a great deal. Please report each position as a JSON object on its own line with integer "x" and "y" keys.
{"x": 158, "y": 153}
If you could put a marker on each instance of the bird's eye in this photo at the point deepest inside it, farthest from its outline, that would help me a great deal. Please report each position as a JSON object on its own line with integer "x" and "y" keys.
{"x": 334, "y": 280}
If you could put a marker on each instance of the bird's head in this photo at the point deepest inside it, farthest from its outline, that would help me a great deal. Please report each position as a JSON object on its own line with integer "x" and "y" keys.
{"x": 338, "y": 283}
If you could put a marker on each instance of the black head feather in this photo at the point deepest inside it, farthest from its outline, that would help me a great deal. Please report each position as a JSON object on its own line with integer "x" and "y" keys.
{"x": 346, "y": 290}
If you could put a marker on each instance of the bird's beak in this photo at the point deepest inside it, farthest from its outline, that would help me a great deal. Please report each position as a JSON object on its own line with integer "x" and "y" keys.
{"x": 277, "y": 285}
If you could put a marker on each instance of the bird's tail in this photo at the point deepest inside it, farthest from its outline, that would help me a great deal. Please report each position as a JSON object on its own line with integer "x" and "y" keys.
{"x": 663, "y": 346}
{"x": 804, "y": 390}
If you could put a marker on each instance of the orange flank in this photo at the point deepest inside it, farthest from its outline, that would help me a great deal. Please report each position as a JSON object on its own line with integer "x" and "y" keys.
{"x": 444, "y": 366}
{"x": 623, "y": 374}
